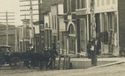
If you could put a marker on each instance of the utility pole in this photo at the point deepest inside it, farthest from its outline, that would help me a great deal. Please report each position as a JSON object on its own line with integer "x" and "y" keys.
{"x": 6, "y": 17}
{"x": 41, "y": 27}
{"x": 39, "y": 7}
{"x": 31, "y": 24}
{"x": 16, "y": 44}
{"x": 93, "y": 25}
{"x": 6, "y": 28}
{"x": 93, "y": 34}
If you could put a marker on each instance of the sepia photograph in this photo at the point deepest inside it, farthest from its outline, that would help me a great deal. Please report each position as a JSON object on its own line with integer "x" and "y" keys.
{"x": 62, "y": 37}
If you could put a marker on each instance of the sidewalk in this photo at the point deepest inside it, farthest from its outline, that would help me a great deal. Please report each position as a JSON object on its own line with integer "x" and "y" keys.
{"x": 85, "y": 63}
{"x": 99, "y": 59}
{"x": 117, "y": 61}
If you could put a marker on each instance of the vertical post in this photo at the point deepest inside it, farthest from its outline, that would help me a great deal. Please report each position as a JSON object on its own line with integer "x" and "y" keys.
{"x": 93, "y": 25}
{"x": 41, "y": 27}
{"x": 39, "y": 7}
{"x": 31, "y": 24}
{"x": 23, "y": 39}
{"x": 93, "y": 34}
{"x": 58, "y": 40}
{"x": 16, "y": 47}
{"x": 6, "y": 28}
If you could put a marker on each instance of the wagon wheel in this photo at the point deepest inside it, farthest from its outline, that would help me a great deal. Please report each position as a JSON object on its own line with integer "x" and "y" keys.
{"x": 15, "y": 62}
{"x": 27, "y": 63}
{"x": 2, "y": 61}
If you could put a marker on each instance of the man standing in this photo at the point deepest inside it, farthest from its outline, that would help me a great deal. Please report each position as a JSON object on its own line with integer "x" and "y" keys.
{"x": 93, "y": 53}
{"x": 88, "y": 49}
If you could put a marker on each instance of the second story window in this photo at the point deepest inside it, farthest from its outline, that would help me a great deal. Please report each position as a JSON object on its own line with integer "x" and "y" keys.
{"x": 69, "y": 5}
{"x": 81, "y": 4}
{"x": 78, "y": 4}
{"x": 73, "y": 5}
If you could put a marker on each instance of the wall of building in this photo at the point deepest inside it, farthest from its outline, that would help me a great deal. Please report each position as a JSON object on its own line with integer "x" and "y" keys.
{"x": 106, "y": 12}
{"x": 24, "y": 37}
{"x": 106, "y": 5}
{"x": 25, "y": 9}
{"x": 11, "y": 36}
{"x": 121, "y": 9}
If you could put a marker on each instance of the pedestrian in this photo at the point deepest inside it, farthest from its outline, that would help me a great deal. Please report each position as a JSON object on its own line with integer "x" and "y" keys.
{"x": 97, "y": 47}
{"x": 88, "y": 49}
{"x": 93, "y": 53}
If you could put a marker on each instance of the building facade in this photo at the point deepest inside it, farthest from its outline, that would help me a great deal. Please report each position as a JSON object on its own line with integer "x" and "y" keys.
{"x": 11, "y": 36}
{"x": 24, "y": 36}
{"x": 121, "y": 12}
{"x": 73, "y": 23}
{"x": 79, "y": 14}
{"x": 52, "y": 17}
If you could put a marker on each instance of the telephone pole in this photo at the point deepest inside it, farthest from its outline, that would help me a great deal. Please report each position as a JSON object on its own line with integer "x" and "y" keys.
{"x": 6, "y": 17}
{"x": 93, "y": 34}
{"x": 93, "y": 24}
{"x": 6, "y": 28}
{"x": 41, "y": 27}
{"x": 31, "y": 24}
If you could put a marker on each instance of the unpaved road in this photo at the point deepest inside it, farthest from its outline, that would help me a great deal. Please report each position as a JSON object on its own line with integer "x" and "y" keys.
{"x": 115, "y": 70}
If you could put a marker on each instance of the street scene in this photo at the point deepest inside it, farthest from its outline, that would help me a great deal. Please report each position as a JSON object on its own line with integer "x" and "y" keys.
{"x": 62, "y": 38}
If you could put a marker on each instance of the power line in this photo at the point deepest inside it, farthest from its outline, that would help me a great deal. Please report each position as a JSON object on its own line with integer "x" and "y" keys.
{"x": 7, "y": 12}
{"x": 28, "y": 5}
{"x": 27, "y": 0}
{"x": 28, "y": 14}
{"x": 28, "y": 10}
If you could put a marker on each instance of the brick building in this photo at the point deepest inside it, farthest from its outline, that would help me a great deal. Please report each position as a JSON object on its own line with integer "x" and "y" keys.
{"x": 109, "y": 17}
{"x": 121, "y": 12}
{"x": 49, "y": 15}
{"x": 79, "y": 14}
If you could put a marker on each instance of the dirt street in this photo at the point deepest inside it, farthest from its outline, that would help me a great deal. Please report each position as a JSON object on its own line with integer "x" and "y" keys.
{"x": 115, "y": 70}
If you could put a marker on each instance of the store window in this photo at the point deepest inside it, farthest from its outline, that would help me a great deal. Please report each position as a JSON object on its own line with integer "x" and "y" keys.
{"x": 71, "y": 30}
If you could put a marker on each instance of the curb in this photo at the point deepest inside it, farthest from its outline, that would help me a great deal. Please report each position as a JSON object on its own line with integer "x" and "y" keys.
{"x": 105, "y": 65}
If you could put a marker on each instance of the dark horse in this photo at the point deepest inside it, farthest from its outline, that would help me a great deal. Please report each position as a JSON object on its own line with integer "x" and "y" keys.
{"x": 45, "y": 59}
{"x": 29, "y": 59}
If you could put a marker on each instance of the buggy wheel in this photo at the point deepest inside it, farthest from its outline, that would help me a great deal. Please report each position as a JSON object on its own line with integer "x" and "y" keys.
{"x": 15, "y": 62}
{"x": 27, "y": 64}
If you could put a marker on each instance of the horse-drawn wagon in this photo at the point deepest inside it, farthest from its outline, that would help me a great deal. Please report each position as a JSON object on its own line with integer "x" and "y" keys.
{"x": 27, "y": 59}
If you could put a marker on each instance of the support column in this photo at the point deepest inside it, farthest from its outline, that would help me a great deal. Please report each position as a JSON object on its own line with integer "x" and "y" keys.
{"x": 76, "y": 46}
{"x": 67, "y": 48}
{"x": 116, "y": 35}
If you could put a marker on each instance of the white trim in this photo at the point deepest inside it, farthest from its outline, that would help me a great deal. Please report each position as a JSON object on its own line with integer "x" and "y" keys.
{"x": 72, "y": 35}
{"x": 71, "y": 23}
{"x": 82, "y": 9}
